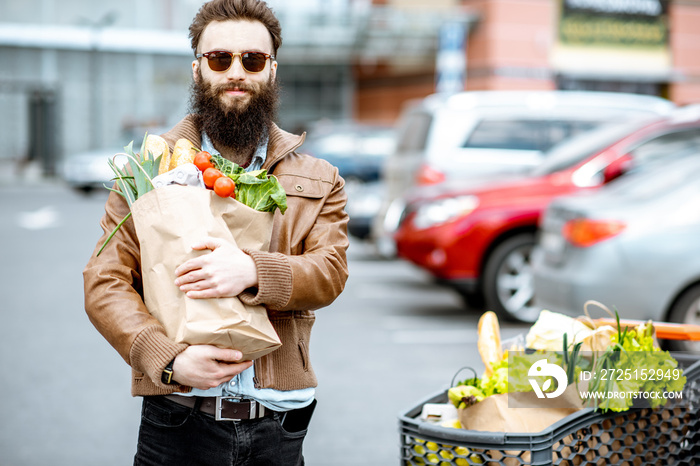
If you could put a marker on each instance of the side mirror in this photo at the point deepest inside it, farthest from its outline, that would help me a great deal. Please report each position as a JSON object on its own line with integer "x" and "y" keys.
{"x": 617, "y": 168}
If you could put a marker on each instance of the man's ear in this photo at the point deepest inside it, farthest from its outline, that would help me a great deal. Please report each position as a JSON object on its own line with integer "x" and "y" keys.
{"x": 273, "y": 69}
{"x": 195, "y": 68}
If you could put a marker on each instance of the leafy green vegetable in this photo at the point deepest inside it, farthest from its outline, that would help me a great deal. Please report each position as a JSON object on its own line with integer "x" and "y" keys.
{"x": 256, "y": 189}
{"x": 637, "y": 367}
{"x": 225, "y": 166}
{"x": 463, "y": 396}
{"x": 497, "y": 382}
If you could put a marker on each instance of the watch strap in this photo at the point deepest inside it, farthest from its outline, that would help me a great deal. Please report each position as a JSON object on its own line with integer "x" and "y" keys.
{"x": 167, "y": 375}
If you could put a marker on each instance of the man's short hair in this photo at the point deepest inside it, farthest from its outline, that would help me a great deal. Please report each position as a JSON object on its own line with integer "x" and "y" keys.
{"x": 224, "y": 10}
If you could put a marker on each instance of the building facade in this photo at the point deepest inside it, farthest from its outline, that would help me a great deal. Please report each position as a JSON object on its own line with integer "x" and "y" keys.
{"x": 640, "y": 46}
{"x": 78, "y": 75}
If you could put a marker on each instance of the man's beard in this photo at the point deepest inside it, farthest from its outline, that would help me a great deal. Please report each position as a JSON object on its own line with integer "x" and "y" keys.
{"x": 241, "y": 127}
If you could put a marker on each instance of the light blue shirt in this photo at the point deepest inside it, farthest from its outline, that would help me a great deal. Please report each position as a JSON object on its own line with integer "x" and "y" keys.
{"x": 258, "y": 158}
{"x": 243, "y": 385}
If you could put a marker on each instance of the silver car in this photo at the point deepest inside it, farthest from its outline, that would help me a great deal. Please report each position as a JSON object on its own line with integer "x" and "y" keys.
{"x": 89, "y": 171}
{"x": 632, "y": 246}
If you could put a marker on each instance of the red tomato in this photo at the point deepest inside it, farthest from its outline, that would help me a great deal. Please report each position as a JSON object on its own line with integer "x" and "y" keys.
{"x": 210, "y": 176}
{"x": 202, "y": 160}
{"x": 224, "y": 186}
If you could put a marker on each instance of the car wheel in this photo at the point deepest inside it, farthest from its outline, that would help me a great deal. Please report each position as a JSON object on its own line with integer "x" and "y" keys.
{"x": 508, "y": 280}
{"x": 473, "y": 301}
{"x": 686, "y": 310}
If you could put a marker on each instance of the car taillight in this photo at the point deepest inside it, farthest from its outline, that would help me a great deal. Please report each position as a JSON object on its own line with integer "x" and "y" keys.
{"x": 583, "y": 232}
{"x": 429, "y": 175}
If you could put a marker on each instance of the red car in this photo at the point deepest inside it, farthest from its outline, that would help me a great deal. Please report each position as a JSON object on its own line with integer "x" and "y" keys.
{"x": 478, "y": 237}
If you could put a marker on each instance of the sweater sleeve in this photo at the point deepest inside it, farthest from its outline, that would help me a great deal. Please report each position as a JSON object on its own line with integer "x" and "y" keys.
{"x": 313, "y": 275}
{"x": 274, "y": 280}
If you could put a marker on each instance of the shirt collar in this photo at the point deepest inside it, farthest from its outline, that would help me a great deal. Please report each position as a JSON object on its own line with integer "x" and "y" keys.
{"x": 256, "y": 162}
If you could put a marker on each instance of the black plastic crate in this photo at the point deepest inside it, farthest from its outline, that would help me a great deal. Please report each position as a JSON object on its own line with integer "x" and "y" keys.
{"x": 668, "y": 435}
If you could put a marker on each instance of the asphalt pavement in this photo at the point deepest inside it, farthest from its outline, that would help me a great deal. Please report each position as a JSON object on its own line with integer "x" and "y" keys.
{"x": 390, "y": 340}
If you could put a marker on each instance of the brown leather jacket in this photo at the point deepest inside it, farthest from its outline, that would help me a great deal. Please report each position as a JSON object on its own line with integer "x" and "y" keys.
{"x": 306, "y": 269}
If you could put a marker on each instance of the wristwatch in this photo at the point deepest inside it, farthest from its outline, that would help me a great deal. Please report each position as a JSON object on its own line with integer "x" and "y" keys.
{"x": 167, "y": 375}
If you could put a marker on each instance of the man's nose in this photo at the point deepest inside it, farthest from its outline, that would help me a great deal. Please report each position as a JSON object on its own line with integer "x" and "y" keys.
{"x": 236, "y": 72}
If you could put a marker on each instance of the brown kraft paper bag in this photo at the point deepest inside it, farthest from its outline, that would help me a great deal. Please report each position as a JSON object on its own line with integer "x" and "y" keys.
{"x": 169, "y": 220}
{"x": 520, "y": 412}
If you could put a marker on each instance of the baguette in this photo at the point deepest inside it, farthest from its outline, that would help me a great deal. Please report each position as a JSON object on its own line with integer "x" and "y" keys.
{"x": 164, "y": 161}
{"x": 489, "y": 341}
{"x": 157, "y": 147}
{"x": 183, "y": 152}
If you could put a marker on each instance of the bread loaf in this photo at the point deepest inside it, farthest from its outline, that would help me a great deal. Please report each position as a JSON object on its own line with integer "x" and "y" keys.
{"x": 489, "y": 341}
{"x": 157, "y": 147}
{"x": 183, "y": 152}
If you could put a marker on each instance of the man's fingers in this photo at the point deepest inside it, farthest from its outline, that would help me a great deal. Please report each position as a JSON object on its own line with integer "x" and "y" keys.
{"x": 207, "y": 243}
{"x": 230, "y": 370}
{"x": 226, "y": 355}
{"x": 204, "y": 294}
{"x": 191, "y": 277}
{"x": 207, "y": 366}
{"x": 189, "y": 266}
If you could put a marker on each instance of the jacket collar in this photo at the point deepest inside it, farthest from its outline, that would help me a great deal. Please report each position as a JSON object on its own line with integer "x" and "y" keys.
{"x": 280, "y": 144}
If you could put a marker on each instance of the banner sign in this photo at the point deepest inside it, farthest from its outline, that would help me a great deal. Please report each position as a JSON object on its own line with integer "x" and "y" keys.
{"x": 613, "y": 39}
{"x": 614, "y": 22}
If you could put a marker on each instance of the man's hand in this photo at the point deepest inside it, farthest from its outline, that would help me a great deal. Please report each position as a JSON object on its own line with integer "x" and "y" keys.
{"x": 223, "y": 273}
{"x": 205, "y": 366}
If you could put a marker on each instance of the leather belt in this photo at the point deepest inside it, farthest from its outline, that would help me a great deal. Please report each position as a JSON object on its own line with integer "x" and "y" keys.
{"x": 224, "y": 408}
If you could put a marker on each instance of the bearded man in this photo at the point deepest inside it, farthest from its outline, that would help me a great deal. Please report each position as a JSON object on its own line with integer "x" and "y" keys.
{"x": 234, "y": 99}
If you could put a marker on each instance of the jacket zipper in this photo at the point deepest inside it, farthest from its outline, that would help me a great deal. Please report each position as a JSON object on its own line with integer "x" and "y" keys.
{"x": 256, "y": 380}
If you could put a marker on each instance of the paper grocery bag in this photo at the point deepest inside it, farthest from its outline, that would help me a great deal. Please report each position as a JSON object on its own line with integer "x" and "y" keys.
{"x": 169, "y": 220}
{"x": 520, "y": 412}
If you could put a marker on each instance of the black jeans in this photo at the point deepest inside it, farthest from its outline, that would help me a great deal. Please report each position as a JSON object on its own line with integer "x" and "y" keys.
{"x": 173, "y": 435}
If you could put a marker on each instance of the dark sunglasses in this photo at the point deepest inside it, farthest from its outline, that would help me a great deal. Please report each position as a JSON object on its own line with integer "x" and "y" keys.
{"x": 221, "y": 60}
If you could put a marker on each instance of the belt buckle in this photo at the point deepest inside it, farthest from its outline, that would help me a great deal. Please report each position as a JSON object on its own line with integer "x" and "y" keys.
{"x": 236, "y": 399}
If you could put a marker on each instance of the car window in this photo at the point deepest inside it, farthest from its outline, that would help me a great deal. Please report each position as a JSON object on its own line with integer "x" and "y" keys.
{"x": 507, "y": 134}
{"x": 525, "y": 135}
{"x": 586, "y": 144}
{"x": 414, "y": 132}
{"x": 662, "y": 178}
{"x": 561, "y": 130}
{"x": 676, "y": 144}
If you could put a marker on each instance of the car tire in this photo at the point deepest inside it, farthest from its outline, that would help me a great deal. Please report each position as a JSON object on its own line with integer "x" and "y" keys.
{"x": 685, "y": 310}
{"x": 508, "y": 280}
{"x": 473, "y": 301}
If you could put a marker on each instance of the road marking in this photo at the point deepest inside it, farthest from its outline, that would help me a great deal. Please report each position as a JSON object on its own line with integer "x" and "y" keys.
{"x": 46, "y": 217}
{"x": 427, "y": 322}
{"x": 433, "y": 337}
{"x": 407, "y": 290}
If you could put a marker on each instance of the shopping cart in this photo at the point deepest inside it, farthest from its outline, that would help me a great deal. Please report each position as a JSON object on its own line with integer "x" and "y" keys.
{"x": 667, "y": 435}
